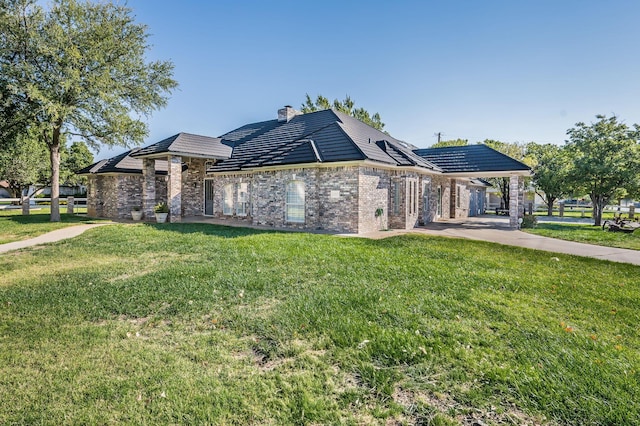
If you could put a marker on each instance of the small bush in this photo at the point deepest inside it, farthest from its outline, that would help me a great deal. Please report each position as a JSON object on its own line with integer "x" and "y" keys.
{"x": 529, "y": 221}
{"x": 161, "y": 208}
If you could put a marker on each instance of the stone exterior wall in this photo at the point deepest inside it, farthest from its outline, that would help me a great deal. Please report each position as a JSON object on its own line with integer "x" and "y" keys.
{"x": 114, "y": 196}
{"x": 459, "y": 200}
{"x": 337, "y": 199}
{"x": 373, "y": 194}
{"x": 445, "y": 187}
{"x": 331, "y": 196}
{"x": 193, "y": 188}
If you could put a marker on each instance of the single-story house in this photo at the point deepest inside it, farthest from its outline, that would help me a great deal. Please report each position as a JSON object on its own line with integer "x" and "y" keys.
{"x": 322, "y": 170}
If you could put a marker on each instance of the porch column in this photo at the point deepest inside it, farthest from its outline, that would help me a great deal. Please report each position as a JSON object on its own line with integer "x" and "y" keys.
{"x": 516, "y": 200}
{"x": 148, "y": 187}
{"x": 174, "y": 188}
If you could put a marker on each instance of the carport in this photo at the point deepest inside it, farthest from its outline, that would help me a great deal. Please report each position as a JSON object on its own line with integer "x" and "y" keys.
{"x": 480, "y": 162}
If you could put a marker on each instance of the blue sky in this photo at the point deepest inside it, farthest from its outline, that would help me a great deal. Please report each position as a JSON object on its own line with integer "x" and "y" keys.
{"x": 515, "y": 71}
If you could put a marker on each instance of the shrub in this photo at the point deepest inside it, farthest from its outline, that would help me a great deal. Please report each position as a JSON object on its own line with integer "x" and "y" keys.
{"x": 161, "y": 208}
{"x": 529, "y": 221}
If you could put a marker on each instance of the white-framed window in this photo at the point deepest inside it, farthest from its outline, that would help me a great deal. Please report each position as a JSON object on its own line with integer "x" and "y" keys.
{"x": 242, "y": 204}
{"x": 227, "y": 199}
{"x": 396, "y": 197}
{"x": 294, "y": 203}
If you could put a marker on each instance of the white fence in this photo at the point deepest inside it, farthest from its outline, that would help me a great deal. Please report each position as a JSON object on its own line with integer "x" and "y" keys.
{"x": 30, "y": 203}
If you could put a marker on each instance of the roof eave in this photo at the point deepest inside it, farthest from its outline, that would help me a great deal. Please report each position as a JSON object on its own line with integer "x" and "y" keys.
{"x": 164, "y": 154}
{"x": 489, "y": 174}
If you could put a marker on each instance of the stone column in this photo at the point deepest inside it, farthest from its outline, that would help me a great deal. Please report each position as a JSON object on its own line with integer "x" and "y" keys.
{"x": 516, "y": 200}
{"x": 632, "y": 211}
{"x": 174, "y": 189}
{"x": 148, "y": 187}
{"x": 70, "y": 202}
{"x": 26, "y": 206}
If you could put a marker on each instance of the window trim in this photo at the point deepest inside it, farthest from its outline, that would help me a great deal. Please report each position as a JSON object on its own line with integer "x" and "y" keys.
{"x": 300, "y": 202}
{"x": 228, "y": 205}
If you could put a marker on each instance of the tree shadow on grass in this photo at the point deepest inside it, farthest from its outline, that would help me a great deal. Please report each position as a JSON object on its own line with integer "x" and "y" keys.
{"x": 221, "y": 231}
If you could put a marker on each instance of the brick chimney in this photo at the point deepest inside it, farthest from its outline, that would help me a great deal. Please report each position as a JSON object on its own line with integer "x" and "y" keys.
{"x": 287, "y": 113}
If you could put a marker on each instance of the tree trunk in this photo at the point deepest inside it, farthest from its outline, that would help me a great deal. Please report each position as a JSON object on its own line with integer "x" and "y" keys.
{"x": 54, "y": 151}
{"x": 505, "y": 192}
{"x": 598, "y": 206}
{"x": 550, "y": 206}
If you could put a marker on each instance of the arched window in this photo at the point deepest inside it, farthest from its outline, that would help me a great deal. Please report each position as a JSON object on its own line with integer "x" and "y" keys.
{"x": 227, "y": 199}
{"x": 294, "y": 203}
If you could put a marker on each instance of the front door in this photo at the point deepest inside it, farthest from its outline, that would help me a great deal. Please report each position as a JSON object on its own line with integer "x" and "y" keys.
{"x": 208, "y": 197}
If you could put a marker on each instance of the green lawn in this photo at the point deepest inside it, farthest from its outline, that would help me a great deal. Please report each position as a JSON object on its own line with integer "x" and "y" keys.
{"x": 198, "y": 324}
{"x": 15, "y": 227}
{"x": 587, "y": 234}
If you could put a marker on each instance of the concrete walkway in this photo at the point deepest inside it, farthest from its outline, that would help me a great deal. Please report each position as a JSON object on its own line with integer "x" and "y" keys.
{"x": 496, "y": 230}
{"x": 50, "y": 237}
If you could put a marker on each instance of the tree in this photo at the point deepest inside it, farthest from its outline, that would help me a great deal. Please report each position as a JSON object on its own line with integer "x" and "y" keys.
{"x": 79, "y": 69}
{"x": 347, "y": 106}
{"x": 74, "y": 158}
{"x": 550, "y": 171}
{"x": 24, "y": 163}
{"x": 513, "y": 150}
{"x": 606, "y": 159}
{"x": 452, "y": 142}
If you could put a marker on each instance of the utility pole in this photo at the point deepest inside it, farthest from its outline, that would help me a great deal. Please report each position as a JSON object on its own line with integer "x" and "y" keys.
{"x": 439, "y": 135}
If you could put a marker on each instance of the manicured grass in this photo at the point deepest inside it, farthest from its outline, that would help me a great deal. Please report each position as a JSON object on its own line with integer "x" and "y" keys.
{"x": 15, "y": 227}
{"x": 588, "y": 234}
{"x": 198, "y": 324}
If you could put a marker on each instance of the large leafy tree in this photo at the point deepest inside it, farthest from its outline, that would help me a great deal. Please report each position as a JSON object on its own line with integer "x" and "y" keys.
{"x": 79, "y": 68}
{"x": 605, "y": 160}
{"x": 74, "y": 158}
{"x": 346, "y": 106}
{"x": 550, "y": 171}
{"x": 24, "y": 163}
{"x": 450, "y": 142}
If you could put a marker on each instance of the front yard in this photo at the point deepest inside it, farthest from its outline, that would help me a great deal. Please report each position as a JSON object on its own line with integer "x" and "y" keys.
{"x": 16, "y": 227}
{"x": 199, "y": 324}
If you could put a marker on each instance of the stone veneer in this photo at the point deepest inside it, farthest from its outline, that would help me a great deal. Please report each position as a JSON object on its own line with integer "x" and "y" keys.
{"x": 331, "y": 196}
{"x": 115, "y": 196}
{"x": 337, "y": 199}
{"x": 193, "y": 187}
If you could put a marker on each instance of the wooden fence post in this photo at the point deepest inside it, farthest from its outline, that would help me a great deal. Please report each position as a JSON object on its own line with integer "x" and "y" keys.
{"x": 70, "y": 201}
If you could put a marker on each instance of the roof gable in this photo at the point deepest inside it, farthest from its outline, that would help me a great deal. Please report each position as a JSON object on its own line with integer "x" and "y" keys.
{"x": 122, "y": 163}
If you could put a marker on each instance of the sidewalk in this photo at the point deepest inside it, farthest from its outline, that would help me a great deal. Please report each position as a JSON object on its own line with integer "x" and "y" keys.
{"x": 50, "y": 237}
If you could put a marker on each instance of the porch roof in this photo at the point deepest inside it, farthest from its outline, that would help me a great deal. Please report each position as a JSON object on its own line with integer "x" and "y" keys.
{"x": 478, "y": 160}
{"x": 186, "y": 145}
{"x": 122, "y": 163}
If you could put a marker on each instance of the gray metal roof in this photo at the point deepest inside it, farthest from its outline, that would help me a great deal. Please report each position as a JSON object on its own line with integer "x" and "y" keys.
{"x": 187, "y": 144}
{"x": 471, "y": 158}
{"x": 322, "y": 136}
{"x": 122, "y": 163}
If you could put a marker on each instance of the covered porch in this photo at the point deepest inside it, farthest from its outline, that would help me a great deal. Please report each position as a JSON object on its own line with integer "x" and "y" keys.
{"x": 187, "y": 157}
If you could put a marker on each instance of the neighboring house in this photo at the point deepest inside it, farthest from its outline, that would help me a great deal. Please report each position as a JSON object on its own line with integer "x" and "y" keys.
{"x": 4, "y": 189}
{"x": 323, "y": 170}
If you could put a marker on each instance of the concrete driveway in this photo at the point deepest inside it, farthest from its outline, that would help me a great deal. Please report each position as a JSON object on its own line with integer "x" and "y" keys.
{"x": 496, "y": 230}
